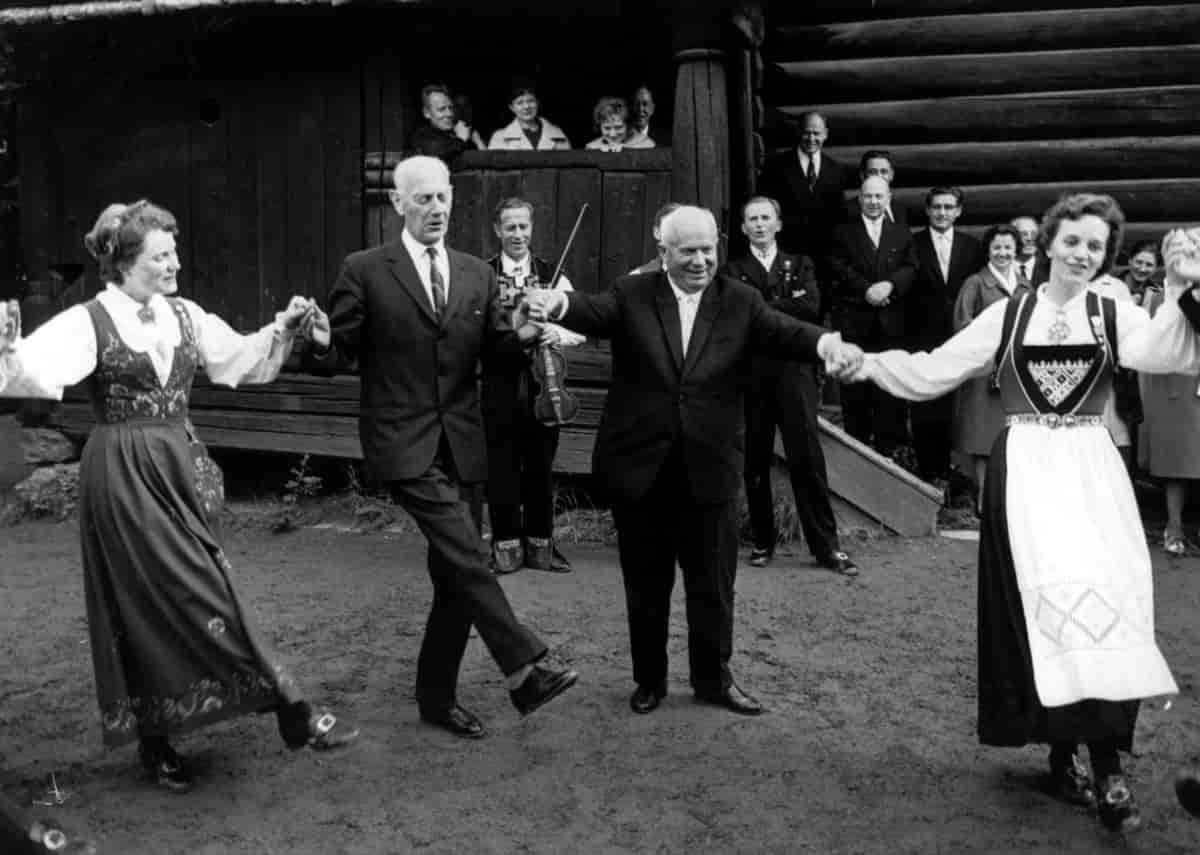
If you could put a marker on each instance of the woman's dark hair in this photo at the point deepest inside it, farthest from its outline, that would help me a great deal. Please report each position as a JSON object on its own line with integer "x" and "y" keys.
{"x": 1150, "y": 246}
{"x": 1076, "y": 206}
{"x": 999, "y": 230}
{"x": 120, "y": 233}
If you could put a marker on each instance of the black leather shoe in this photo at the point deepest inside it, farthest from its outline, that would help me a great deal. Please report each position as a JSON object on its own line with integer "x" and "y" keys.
{"x": 761, "y": 557}
{"x": 645, "y": 700}
{"x": 1117, "y": 808}
{"x": 1073, "y": 784}
{"x": 1187, "y": 790}
{"x": 507, "y": 556}
{"x": 732, "y": 698}
{"x": 166, "y": 769}
{"x": 839, "y": 562}
{"x": 542, "y": 554}
{"x": 543, "y": 685}
{"x": 458, "y": 720}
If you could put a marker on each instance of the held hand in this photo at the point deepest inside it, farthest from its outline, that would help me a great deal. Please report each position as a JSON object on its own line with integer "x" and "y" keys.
{"x": 541, "y": 305}
{"x": 528, "y": 333}
{"x": 315, "y": 327}
{"x": 843, "y": 360}
{"x": 10, "y": 324}
{"x": 551, "y": 336}
{"x": 295, "y": 312}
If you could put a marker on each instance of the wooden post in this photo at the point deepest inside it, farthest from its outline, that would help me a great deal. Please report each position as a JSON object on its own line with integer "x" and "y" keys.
{"x": 701, "y": 132}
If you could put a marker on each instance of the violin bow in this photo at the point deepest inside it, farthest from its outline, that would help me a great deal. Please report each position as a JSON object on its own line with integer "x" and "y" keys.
{"x": 567, "y": 247}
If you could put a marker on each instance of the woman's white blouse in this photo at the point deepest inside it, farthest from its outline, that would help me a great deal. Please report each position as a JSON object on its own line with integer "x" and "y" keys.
{"x": 1163, "y": 345}
{"x": 62, "y": 351}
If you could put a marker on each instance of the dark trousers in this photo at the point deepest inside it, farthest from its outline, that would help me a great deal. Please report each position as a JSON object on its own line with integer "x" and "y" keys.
{"x": 933, "y": 435}
{"x": 464, "y": 590}
{"x": 520, "y": 485}
{"x": 785, "y": 396}
{"x": 654, "y": 532}
{"x": 870, "y": 414}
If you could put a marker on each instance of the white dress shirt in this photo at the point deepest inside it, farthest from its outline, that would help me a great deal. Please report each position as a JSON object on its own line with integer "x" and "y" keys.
{"x": 765, "y": 257}
{"x": 689, "y": 304}
{"x": 420, "y": 259}
{"x": 1027, "y": 268}
{"x": 943, "y": 245}
{"x": 874, "y": 229}
{"x": 816, "y": 159}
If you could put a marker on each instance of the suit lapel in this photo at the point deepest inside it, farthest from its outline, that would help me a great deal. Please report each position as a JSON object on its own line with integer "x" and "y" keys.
{"x": 456, "y": 285}
{"x": 668, "y": 316}
{"x": 710, "y": 304}
{"x": 406, "y": 274}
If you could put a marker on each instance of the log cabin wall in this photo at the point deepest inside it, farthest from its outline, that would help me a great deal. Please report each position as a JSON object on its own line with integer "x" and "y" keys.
{"x": 1013, "y": 101}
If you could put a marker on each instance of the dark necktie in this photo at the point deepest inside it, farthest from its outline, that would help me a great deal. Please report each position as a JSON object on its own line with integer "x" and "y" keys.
{"x": 438, "y": 283}
{"x": 810, "y": 173}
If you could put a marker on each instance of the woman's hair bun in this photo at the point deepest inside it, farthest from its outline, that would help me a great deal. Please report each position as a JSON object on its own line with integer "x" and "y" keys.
{"x": 102, "y": 241}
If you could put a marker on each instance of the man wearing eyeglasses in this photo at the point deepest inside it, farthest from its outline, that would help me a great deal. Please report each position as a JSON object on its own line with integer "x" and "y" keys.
{"x": 945, "y": 258}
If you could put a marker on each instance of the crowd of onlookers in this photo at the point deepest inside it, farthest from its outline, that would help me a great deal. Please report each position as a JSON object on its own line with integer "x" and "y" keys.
{"x": 446, "y": 130}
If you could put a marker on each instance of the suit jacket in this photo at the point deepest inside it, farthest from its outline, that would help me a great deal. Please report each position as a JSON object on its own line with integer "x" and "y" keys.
{"x": 659, "y": 402}
{"x": 930, "y": 317}
{"x": 428, "y": 140}
{"x": 793, "y": 292}
{"x": 418, "y": 374}
{"x": 857, "y": 265}
{"x": 1041, "y": 270}
{"x": 809, "y": 214}
{"x": 854, "y": 211}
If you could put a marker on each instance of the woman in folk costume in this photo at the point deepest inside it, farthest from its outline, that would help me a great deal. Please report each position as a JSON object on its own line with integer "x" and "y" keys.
{"x": 173, "y": 647}
{"x": 1066, "y": 619}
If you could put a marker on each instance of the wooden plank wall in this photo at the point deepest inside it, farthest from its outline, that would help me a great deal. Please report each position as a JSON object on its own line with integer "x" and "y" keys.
{"x": 1015, "y": 102}
{"x": 622, "y": 191}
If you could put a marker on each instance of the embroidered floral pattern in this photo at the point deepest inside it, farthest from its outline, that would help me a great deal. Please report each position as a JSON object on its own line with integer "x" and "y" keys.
{"x": 1058, "y": 378}
{"x": 210, "y": 481}
{"x": 125, "y": 385}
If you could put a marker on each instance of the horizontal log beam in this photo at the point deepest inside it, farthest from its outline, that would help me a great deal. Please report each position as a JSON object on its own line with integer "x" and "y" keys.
{"x": 634, "y": 160}
{"x": 825, "y": 11}
{"x": 1159, "y": 199}
{"x": 1021, "y": 161}
{"x": 1042, "y": 115}
{"x": 948, "y": 75}
{"x": 1057, "y": 29}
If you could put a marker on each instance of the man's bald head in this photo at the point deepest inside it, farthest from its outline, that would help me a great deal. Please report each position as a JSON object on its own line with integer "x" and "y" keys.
{"x": 873, "y": 197}
{"x": 688, "y": 248}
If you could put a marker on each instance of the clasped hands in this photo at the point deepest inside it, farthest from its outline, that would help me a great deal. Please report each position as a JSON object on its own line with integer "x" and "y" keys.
{"x": 537, "y": 308}
{"x": 880, "y": 294}
{"x": 10, "y": 324}
{"x": 304, "y": 315}
{"x": 843, "y": 360}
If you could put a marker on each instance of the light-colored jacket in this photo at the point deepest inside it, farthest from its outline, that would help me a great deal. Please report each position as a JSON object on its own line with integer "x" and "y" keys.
{"x": 512, "y": 138}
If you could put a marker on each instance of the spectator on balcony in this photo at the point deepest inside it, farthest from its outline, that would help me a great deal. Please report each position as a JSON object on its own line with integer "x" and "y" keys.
{"x": 642, "y": 113}
{"x": 528, "y": 131}
{"x": 611, "y": 117}
{"x": 443, "y": 134}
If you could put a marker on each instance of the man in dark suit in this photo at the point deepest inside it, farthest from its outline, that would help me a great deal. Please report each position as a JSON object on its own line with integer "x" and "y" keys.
{"x": 945, "y": 258}
{"x": 669, "y": 447}
{"x": 874, "y": 266}
{"x": 1033, "y": 266}
{"x": 878, "y": 162}
{"x": 443, "y": 134}
{"x": 418, "y": 317}
{"x": 783, "y": 395}
{"x": 808, "y": 185}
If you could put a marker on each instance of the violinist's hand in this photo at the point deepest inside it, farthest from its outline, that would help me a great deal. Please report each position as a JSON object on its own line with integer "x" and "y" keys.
{"x": 10, "y": 324}
{"x": 551, "y": 336}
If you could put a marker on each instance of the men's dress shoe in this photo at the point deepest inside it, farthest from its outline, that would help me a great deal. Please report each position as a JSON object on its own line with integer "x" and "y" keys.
{"x": 732, "y": 698}
{"x": 1073, "y": 784}
{"x": 1187, "y": 790}
{"x": 458, "y": 720}
{"x": 543, "y": 684}
{"x": 839, "y": 562}
{"x": 166, "y": 769}
{"x": 645, "y": 700}
{"x": 1117, "y": 808}
{"x": 761, "y": 557}
{"x": 327, "y": 733}
{"x": 541, "y": 554}
{"x": 47, "y": 837}
{"x": 507, "y": 556}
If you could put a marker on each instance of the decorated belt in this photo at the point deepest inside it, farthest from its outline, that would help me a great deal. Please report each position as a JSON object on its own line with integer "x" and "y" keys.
{"x": 1053, "y": 420}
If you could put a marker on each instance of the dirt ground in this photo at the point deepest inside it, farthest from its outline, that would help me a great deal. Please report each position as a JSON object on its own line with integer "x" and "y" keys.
{"x": 868, "y": 745}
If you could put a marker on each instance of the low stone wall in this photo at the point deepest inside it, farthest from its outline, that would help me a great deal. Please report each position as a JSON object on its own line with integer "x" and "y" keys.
{"x": 39, "y": 471}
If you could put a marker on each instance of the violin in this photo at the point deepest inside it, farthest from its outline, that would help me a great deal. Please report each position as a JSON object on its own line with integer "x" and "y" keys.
{"x": 554, "y": 404}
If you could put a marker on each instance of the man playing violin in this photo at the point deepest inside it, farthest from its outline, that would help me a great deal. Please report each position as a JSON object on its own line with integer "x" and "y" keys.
{"x": 521, "y": 448}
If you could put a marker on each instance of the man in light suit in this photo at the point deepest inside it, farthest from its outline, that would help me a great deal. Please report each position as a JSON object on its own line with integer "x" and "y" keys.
{"x": 874, "y": 266}
{"x": 783, "y": 395}
{"x": 418, "y": 317}
{"x": 669, "y": 447}
{"x": 945, "y": 258}
{"x": 808, "y": 185}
